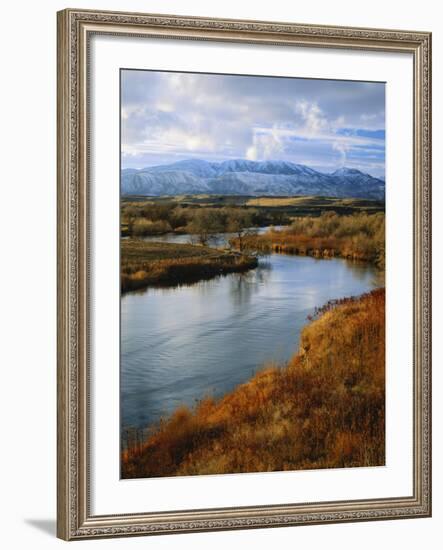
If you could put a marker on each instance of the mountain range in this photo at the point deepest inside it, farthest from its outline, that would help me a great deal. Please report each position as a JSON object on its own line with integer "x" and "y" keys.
{"x": 245, "y": 177}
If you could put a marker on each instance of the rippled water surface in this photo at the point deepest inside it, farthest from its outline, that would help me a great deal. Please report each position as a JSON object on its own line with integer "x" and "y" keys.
{"x": 180, "y": 344}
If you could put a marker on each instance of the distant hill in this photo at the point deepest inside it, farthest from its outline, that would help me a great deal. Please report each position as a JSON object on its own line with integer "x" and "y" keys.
{"x": 245, "y": 177}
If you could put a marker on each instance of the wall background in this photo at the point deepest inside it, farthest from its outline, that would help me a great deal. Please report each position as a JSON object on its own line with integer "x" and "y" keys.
{"x": 28, "y": 272}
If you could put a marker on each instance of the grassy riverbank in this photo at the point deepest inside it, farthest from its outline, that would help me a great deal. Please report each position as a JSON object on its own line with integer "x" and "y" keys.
{"x": 323, "y": 409}
{"x": 152, "y": 263}
{"x": 359, "y": 236}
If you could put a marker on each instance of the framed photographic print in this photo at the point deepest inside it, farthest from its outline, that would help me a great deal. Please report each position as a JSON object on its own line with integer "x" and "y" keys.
{"x": 243, "y": 274}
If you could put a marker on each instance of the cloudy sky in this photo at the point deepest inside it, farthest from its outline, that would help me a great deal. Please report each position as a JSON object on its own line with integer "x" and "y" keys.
{"x": 325, "y": 124}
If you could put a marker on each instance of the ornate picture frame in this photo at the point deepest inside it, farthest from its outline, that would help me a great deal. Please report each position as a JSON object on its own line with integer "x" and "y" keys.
{"x": 75, "y": 517}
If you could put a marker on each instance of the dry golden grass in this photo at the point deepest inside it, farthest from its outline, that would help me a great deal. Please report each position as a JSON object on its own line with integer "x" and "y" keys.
{"x": 324, "y": 409}
{"x": 278, "y": 201}
{"x": 149, "y": 263}
{"x": 358, "y": 236}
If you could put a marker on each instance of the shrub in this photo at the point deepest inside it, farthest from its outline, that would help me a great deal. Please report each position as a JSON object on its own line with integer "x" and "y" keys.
{"x": 358, "y": 236}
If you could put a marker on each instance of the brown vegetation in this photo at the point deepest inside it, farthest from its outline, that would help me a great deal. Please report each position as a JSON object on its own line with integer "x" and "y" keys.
{"x": 358, "y": 236}
{"x": 151, "y": 263}
{"x": 324, "y": 409}
{"x": 147, "y": 218}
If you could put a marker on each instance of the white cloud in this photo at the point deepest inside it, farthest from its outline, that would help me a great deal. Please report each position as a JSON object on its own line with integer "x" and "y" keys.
{"x": 342, "y": 147}
{"x": 313, "y": 120}
{"x": 166, "y": 116}
{"x": 252, "y": 153}
{"x": 266, "y": 144}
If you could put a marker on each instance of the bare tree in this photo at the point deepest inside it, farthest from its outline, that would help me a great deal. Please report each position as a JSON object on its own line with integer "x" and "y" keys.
{"x": 239, "y": 222}
{"x": 205, "y": 223}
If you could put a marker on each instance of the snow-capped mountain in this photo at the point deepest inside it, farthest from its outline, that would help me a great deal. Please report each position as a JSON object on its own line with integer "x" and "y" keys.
{"x": 245, "y": 177}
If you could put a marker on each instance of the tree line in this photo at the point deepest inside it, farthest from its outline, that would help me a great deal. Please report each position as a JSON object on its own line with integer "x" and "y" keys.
{"x": 204, "y": 223}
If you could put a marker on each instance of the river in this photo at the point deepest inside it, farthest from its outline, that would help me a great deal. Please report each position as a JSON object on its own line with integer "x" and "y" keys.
{"x": 181, "y": 344}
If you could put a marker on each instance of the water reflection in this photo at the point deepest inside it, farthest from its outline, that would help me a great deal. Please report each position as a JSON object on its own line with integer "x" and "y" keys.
{"x": 179, "y": 344}
{"x": 244, "y": 285}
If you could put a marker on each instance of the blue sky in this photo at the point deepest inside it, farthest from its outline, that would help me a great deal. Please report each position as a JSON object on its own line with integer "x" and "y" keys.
{"x": 325, "y": 124}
